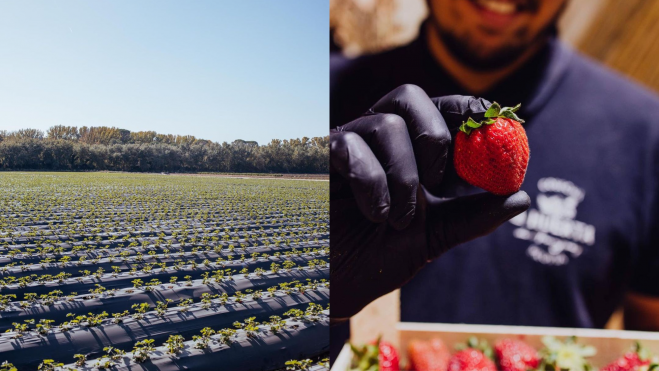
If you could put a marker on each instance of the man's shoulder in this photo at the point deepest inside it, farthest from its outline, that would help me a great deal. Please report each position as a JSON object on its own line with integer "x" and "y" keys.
{"x": 369, "y": 66}
{"x": 612, "y": 91}
{"x": 357, "y": 83}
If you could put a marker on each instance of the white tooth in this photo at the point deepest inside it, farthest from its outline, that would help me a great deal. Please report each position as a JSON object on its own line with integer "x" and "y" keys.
{"x": 501, "y": 7}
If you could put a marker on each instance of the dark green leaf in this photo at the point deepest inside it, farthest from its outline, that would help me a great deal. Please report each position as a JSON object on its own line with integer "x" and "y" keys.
{"x": 473, "y": 124}
{"x": 511, "y": 115}
{"x": 493, "y": 111}
{"x": 466, "y": 129}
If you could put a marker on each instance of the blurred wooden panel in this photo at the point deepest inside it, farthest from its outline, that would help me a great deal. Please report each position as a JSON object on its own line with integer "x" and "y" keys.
{"x": 617, "y": 320}
{"x": 378, "y": 318}
{"x": 624, "y": 36}
{"x": 577, "y": 18}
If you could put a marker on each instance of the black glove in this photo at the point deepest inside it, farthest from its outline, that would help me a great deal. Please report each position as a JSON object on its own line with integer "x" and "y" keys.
{"x": 385, "y": 224}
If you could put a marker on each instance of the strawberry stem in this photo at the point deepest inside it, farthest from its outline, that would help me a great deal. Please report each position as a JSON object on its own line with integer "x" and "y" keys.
{"x": 495, "y": 111}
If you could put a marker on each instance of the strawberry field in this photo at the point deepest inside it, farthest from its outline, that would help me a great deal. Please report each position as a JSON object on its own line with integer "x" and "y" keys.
{"x": 117, "y": 271}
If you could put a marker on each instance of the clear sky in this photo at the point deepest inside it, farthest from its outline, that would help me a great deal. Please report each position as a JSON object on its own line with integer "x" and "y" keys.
{"x": 216, "y": 69}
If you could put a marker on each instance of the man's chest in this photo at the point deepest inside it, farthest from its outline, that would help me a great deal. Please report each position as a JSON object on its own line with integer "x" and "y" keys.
{"x": 585, "y": 203}
{"x": 553, "y": 229}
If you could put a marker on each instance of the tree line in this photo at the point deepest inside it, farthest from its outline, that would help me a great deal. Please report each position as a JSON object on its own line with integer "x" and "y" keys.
{"x": 110, "y": 148}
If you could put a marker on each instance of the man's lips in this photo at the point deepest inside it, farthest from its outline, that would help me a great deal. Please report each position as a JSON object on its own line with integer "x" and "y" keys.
{"x": 499, "y": 13}
{"x": 501, "y": 7}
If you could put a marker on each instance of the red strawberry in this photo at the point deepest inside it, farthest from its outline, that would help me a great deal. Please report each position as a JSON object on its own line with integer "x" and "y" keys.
{"x": 493, "y": 154}
{"x": 631, "y": 361}
{"x": 470, "y": 360}
{"x": 475, "y": 357}
{"x": 388, "y": 357}
{"x": 430, "y": 355}
{"x": 516, "y": 355}
{"x": 379, "y": 355}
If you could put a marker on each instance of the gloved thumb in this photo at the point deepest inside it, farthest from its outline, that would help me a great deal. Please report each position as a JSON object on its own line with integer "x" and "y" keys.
{"x": 457, "y": 220}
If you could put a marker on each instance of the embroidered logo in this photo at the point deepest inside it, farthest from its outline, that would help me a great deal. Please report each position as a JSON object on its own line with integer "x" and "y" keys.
{"x": 555, "y": 235}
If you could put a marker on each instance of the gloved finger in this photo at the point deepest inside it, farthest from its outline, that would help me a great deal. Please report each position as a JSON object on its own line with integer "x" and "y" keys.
{"x": 428, "y": 132}
{"x": 351, "y": 158}
{"x": 458, "y": 220}
{"x": 458, "y": 108}
{"x": 388, "y": 138}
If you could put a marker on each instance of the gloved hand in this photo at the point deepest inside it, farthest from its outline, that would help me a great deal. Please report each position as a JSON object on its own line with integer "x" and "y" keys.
{"x": 385, "y": 224}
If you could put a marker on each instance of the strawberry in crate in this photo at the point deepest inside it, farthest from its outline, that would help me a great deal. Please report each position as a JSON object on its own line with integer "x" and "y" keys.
{"x": 377, "y": 356}
{"x": 637, "y": 359}
{"x": 475, "y": 355}
{"x": 432, "y": 355}
{"x": 516, "y": 355}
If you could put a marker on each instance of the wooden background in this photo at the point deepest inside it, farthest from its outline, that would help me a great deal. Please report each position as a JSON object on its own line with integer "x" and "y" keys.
{"x": 624, "y": 35}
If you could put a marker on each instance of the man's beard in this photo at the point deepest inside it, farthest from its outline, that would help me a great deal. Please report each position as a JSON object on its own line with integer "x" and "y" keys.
{"x": 466, "y": 50}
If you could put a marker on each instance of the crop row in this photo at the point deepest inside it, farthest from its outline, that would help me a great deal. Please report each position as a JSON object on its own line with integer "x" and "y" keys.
{"x": 30, "y": 255}
{"x": 120, "y": 228}
{"x": 25, "y": 220}
{"x": 159, "y": 236}
{"x": 308, "y": 365}
{"x": 66, "y": 284}
{"x": 128, "y": 254}
{"x": 182, "y": 212}
{"x": 131, "y": 262}
{"x": 162, "y": 241}
{"x": 249, "y": 345}
{"x": 58, "y": 307}
{"x": 82, "y": 333}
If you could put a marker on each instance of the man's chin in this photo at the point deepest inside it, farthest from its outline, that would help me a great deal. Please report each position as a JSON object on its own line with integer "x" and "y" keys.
{"x": 471, "y": 56}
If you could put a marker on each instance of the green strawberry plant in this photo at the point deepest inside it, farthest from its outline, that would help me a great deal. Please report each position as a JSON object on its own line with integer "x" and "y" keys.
{"x": 142, "y": 350}
{"x": 175, "y": 344}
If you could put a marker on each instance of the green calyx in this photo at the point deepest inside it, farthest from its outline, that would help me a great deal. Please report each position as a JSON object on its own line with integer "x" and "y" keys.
{"x": 642, "y": 352}
{"x": 479, "y": 344}
{"x": 366, "y": 357}
{"x": 495, "y": 111}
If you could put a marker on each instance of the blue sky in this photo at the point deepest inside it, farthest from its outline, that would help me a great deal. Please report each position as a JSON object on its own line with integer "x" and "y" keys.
{"x": 219, "y": 70}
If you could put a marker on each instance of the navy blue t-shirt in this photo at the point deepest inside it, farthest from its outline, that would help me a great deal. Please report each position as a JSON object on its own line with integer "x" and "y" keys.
{"x": 592, "y": 232}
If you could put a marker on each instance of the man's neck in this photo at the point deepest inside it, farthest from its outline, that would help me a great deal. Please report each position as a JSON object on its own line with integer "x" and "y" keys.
{"x": 473, "y": 81}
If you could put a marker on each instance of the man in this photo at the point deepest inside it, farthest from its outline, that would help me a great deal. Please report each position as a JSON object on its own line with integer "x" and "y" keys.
{"x": 589, "y": 241}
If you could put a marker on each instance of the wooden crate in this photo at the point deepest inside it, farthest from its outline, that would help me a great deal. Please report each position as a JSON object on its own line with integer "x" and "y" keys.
{"x": 610, "y": 344}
